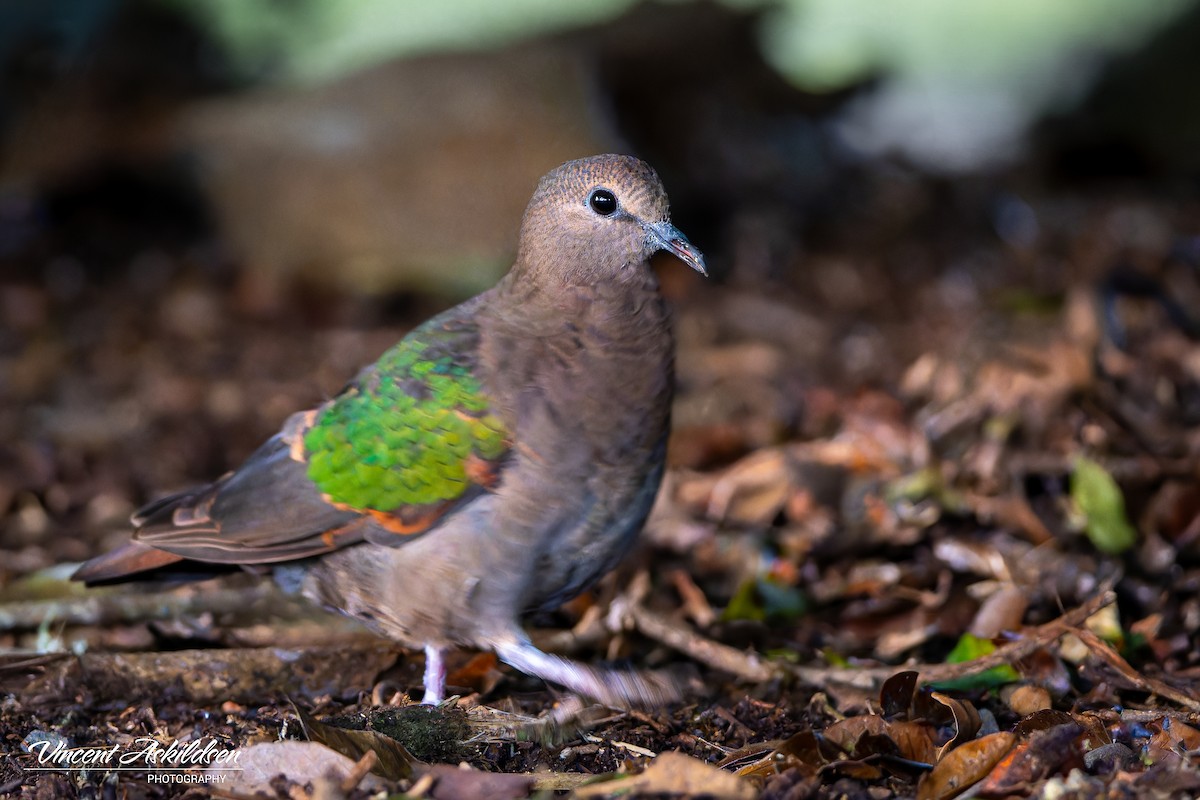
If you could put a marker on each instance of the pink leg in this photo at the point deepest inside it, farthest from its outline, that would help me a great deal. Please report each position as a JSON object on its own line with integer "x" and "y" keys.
{"x": 617, "y": 689}
{"x": 435, "y": 676}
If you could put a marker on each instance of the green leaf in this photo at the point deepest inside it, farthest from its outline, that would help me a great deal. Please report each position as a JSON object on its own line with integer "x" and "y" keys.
{"x": 760, "y": 598}
{"x": 969, "y": 648}
{"x": 784, "y": 654}
{"x": 1099, "y": 499}
{"x": 835, "y": 659}
{"x": 926, "y": 484}
{"x": 745, "y": 603}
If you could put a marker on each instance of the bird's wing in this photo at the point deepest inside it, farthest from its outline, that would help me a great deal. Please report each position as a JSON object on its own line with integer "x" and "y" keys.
{"x": 411, "y": 437}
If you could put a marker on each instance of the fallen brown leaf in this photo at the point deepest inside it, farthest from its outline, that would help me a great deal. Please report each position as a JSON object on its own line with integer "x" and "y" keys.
{"x": 1049, "y": 751}
{"x": 394, "y": 761}
{"x": 966, "y": 721}
{"x": 453, "y": 783}
{"x": 673, "y": 774}
{"x": 299, "y": 762}
{"x": 964, "y": 766}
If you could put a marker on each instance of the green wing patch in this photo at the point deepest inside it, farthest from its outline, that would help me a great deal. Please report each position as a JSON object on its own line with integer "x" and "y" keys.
{"x": 412, "y": 431}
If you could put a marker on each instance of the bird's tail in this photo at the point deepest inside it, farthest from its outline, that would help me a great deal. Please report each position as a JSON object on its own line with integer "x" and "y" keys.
{"x": 131, "y": 558}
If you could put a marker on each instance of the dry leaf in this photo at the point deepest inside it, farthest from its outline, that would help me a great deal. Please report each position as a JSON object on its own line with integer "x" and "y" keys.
{"x": 964, "y": 766}
{"x": 299, "y": 762}
{"x": 673, "y": 774}
{"x": 966, "y": 721}
{"x": 1045, "y": 752}
{"x": 753, "y": 491}
{"x": 395, "y": 762}
{"x": 452, "y": 783}
{"x": 1002, "y": 611}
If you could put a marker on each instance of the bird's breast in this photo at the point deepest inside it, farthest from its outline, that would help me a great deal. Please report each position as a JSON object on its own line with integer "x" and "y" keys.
{"x": 585, "y": 387}
{"x": 586, "y": 397}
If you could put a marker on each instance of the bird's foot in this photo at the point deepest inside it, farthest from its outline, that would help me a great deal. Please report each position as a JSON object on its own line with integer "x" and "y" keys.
{"x": 616, "y": 689}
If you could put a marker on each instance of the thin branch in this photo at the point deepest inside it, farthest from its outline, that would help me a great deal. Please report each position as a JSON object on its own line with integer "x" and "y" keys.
{"x": 750, "y": 667}
{"x": 126, "y": 606}
{"x": 1105, "y": 652}
{"x": 707, "y": 651}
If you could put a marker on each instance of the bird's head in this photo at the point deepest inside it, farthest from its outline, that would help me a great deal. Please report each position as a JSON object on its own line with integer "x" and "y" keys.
{"x": 600, "y": 218}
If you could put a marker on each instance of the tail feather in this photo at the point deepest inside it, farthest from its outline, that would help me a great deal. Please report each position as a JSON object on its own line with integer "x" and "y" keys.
{"x": 162, "y": 511}
{"x": 129, "y": 559}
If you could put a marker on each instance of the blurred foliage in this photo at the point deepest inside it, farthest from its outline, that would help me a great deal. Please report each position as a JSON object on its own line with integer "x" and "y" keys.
{"x": 964, "y": 80}
{"x": 828, "y": 43}
{"x": 969, "y": 648}
{"x": 763, "y": 598}
{"x": 1099, "y": 500}
{"x": 821, "y": 44}
{"x": 315, "y": 40}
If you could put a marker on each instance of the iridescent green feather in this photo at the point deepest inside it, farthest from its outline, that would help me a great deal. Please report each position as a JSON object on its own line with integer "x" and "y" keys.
{"x": 403, "y": 434}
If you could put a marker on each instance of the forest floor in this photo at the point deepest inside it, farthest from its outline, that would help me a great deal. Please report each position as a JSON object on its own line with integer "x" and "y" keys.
{"x": 924, "y": 527}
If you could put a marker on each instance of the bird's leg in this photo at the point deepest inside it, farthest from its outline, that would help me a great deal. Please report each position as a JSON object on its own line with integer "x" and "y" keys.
{"x": 618, "y": 689}
{"x": 435, "y": 676}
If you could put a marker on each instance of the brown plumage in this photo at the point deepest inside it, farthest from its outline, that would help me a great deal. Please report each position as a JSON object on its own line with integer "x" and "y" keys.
{"x": 570, "y": 356}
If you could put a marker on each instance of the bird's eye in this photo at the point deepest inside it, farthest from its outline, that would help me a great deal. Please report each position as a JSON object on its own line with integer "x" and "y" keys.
{"x": 603, "y": 202}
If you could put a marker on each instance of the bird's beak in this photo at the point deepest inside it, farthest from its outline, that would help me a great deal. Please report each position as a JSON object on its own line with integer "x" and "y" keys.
{"x": 667, "y": 237}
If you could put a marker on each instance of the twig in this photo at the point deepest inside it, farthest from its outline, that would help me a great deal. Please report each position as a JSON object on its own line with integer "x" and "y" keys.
{"x": 628, "y": 747}
{"x": 750, "y": 667}
{"x": 695, "y": 604}
{"x": 701, "y": 648}
{"x": 1030, "y": 642}
{"x": 1105, "y": 652}
{"x": 1144, "y": 715}
{"x": 27, "y": 660}
{"x": 99, "y": 608}
{"x": 422, "y": 785}
{"x": 360, "y": 770}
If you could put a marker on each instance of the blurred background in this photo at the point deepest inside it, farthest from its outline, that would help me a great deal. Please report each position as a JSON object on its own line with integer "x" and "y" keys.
{"x": 213, "y": 212}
